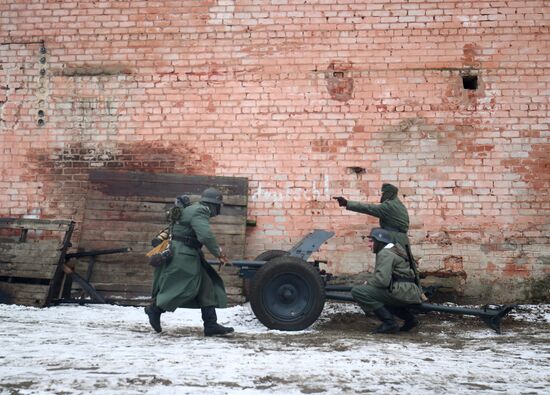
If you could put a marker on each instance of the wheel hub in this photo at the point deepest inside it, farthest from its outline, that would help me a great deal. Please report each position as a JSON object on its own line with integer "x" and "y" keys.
{"x": 287, "y": 293}
{"x": 287, "y": 296}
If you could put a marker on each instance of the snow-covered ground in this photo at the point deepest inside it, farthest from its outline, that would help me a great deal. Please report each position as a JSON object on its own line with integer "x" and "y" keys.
{"x": 105, "y": 349}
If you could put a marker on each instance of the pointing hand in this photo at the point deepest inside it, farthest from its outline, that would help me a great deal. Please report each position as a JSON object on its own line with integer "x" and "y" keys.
{"x": 342, "y": 201}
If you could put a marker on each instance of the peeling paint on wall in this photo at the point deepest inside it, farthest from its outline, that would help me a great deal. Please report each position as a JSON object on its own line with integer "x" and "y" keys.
{"x": 339, "y": 81}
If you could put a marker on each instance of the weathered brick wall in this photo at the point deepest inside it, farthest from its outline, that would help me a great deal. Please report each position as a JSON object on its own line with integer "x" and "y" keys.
{"x": 308, "y": 99}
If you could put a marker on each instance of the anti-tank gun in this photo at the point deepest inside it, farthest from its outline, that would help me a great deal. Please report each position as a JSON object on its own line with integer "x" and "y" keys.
{"x": 288, "y": 293}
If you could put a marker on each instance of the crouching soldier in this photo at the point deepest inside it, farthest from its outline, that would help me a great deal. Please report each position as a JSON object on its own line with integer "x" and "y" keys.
{"x": 393, "y": 286}
{"x": 188, "y": 281}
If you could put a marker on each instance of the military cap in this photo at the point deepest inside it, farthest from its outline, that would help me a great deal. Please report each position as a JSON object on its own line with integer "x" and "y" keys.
{"x": 389, "y": 188}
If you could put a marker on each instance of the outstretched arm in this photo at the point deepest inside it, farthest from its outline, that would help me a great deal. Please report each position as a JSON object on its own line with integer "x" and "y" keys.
{"x": 376, "y": 210}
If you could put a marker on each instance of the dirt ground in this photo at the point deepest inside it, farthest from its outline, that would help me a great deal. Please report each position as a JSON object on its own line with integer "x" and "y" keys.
{"x": 112, "y": 350}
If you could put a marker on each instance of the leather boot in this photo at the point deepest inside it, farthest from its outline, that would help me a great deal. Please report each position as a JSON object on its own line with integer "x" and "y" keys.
{"x": 154, "y": 312}
{"x": 388, "y": 322}
{"x": 409, "y": 318}
{"x": 211, "y": 326}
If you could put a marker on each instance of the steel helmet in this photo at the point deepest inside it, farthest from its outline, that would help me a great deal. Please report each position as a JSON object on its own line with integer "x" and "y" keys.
{"x": 381, "y": 235}
{"x": 212, "y": 195}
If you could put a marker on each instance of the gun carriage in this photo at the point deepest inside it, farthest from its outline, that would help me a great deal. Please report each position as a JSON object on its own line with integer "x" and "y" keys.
{"x": 288, "y": 293}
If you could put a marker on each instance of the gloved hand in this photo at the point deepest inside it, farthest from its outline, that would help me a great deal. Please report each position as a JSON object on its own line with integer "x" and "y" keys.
{"x": 342, "y": 201}
{"x": 224, "y": 260}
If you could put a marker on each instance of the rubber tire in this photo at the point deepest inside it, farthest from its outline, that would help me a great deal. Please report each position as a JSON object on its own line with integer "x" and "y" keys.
{"x": 264, "y": 256}
{"x": 270, "y": 254}
{"x": 297, "y": 274}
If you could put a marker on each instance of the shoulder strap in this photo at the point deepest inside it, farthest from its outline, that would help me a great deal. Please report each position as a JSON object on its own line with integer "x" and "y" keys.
{"x": 397, "y": 250}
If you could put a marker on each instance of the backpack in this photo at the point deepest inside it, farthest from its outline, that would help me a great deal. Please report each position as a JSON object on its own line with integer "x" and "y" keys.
{"x": 174, "y": 213}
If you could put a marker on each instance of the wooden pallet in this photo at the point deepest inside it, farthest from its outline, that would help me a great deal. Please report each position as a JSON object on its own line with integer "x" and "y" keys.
{"x": 32, "y": 254}
{"x": 127, "y": 209}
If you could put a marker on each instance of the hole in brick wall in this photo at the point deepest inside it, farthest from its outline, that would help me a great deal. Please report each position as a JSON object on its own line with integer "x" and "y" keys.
{"x": 356, "y": 170}
{"x": 41, "y": 122}
{"x": 469, "y": 82}
{"x": 338, "y": 74}
{"x": 41, "y": 113}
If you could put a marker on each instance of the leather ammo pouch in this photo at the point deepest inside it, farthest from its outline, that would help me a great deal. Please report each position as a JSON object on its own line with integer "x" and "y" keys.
{"x": 160, "y": 255}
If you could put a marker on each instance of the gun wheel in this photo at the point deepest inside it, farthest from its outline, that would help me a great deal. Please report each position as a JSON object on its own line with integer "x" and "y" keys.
{"x": 287, "y": 294}
{"x": 264, "y": 256}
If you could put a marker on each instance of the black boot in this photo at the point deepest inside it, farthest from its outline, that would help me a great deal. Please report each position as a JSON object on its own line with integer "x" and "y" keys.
{"x": 211, "y": 326}
{"x": 154, "y": 312}
{"x": 405, "y": 314}
{"x": 409, "y": 318}
{"x": 388, "y": 322}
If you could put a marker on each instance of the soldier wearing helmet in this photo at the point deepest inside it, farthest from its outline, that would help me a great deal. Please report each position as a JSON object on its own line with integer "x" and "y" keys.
{"x": 393, "y": 285}
{"x": 188, "y": 281}
{"x": 391, "y": 212}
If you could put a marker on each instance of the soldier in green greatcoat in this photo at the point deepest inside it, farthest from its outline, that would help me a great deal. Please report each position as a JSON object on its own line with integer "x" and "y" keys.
{"x": 393, "y": 287}
{"x": 188, "y": 281}
{"x": 391, "y": 212}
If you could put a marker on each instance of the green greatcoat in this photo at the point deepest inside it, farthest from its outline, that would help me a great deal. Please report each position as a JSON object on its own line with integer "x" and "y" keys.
{"x": 393, "y": 217}
{"x": 188, "y": 280}
{"x": 376, "y": 293}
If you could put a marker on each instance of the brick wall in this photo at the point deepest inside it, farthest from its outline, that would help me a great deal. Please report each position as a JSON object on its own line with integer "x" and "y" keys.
{"x": 308, "y": 99}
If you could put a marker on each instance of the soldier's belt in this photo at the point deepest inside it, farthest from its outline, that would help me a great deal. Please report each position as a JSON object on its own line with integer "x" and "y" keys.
{"x": 188, "y": 241}
{"x": 403, "y": 280}
{"x": 397, "y": 279}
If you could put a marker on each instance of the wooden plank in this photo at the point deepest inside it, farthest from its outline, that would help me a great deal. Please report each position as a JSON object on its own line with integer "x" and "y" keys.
{"x": 140, "y": 295}
{"x": 25, "y": 294}
{"x": 17, "y": 252}
{"x": 225, "y": 225}
{"x": 228, "y": 215}
{"x": 29, "y": 264}
{"x": 142, "y": 289}
{"x": 27, "y": 270}
{"x": 100, "y": 196}
{"x": 127, "y": 209}
{"x": 115, "y": 183}
{"x": 36, "y": 224}
{"x": 35, "y": 259}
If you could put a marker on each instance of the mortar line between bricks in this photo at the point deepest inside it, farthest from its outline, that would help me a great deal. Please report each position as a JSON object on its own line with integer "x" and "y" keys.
{"x": 436, "y": 69}
{"x": 23, "y": 43}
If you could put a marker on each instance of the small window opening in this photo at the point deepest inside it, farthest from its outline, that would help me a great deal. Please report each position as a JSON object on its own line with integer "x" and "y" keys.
{"x": 469, "y": 82}
{"x": 356, "y": 170}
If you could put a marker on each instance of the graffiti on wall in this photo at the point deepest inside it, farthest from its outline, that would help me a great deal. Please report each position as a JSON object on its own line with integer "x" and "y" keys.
{"x": 319, "y": 190}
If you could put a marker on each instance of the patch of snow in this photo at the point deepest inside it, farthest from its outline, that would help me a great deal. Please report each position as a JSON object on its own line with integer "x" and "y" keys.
{"x": 107, "y": 349}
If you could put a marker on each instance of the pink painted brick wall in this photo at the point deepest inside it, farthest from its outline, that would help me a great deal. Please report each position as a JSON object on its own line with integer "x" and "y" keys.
{"x": 298, "y": 96}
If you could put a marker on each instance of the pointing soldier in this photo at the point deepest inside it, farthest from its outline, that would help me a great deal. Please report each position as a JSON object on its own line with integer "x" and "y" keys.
{"x": 391, "y": 212}
{"x": 188, "y": 281}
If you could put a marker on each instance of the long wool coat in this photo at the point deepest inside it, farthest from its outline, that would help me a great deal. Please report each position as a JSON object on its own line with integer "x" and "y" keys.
{"x": 392, "y": 214}
{"x": 188, "y": 280}
{"x": 382, "y": 289}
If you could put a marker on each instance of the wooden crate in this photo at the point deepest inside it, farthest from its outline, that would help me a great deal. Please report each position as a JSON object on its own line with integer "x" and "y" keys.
{"x": 32, "y": 253}
{"x": 127, "y": 209}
